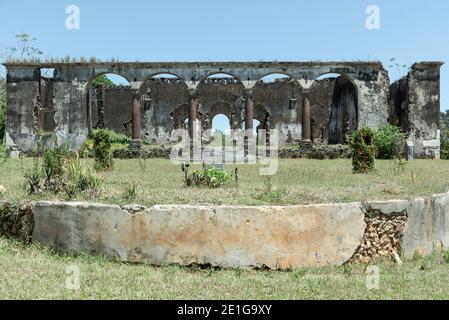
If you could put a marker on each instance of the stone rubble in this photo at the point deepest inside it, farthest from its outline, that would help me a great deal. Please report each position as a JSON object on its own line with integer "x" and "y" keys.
{"x": 382, "y": 238}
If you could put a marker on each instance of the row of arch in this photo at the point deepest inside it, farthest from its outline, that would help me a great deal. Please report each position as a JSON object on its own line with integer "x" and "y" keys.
{"x": 344, "y": 109}
{"x": 267, "y": 78}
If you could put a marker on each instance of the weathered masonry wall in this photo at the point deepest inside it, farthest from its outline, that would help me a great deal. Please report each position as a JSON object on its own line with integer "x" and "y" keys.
{"x": 66, "y": 105}
{"x": 273, "y": 237}
{"x": 415, "y": 103}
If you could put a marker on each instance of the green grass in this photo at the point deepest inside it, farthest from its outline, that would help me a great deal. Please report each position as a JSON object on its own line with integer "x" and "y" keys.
{"x": 31, "y": 272}
{"x": 158, "y": 181}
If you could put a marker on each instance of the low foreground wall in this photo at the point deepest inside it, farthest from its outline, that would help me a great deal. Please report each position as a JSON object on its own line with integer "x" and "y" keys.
{"x": 230, "y": 236}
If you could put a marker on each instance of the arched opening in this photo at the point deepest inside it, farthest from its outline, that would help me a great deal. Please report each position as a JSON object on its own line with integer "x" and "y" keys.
{"x": 220, "y": 130}
{"x": 344, "y": 111}
{"x": 110, "y": 100}
{"x": 261, "y": 124}
{"x": 220, "y": 94}
{"x": 275, "y": 77}
{"x": 334, "y": 108}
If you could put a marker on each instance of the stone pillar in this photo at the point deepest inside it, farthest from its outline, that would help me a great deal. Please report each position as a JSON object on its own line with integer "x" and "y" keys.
{"x": 249, "y": 114}
{"x": 136, "y": 118}
{"x": 192, "y": 114}
{"x": 306, "y": 119}
{"x": 192, "y": 121}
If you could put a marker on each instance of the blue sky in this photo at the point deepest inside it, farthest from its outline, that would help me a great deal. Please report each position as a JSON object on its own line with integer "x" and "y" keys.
{"x": 176, "y": 30}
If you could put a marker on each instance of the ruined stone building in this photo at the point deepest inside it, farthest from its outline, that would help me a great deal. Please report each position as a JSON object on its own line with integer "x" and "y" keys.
{"x": 321, "y": 102}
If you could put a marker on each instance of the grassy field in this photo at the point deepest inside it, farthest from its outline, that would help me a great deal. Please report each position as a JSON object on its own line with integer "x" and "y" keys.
{"x": 158, "y": 181}
{"x": 30, "y": 272}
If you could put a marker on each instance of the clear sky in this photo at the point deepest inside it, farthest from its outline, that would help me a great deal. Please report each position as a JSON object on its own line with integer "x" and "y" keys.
{"x": 207, "y": 30}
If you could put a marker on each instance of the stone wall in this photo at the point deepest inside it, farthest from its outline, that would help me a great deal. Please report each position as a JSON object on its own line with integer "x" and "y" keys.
{"x": 415, "y": 105}
{"x": 276, "y": 237}
{"x": 164, "y": 104}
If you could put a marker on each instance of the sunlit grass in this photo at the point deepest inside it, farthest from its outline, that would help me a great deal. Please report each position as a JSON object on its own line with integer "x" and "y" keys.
{"x": 31, "y": 272}
{"x": 159, "y": 181}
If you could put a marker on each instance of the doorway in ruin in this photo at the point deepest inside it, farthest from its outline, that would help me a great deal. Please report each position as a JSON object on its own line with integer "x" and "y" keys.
{"x": 220, "y": 134}
{"x": 109, "y": 102}
{"x": 343, "y": 111}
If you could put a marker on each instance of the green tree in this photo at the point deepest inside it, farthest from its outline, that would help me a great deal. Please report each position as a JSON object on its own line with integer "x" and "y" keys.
{"x": 102, "y": 80}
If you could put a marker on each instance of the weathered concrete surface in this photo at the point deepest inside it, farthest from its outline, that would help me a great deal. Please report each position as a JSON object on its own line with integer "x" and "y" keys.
{"x": 415, "y": 105}
{"x": 275, "y": 237}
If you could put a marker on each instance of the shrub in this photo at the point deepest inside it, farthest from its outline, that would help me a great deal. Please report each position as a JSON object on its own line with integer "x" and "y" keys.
{"x": 130, "y": 193}
{"x": 445, "y": 144}
{"x": 80, "y": 178}
{"x": 102, "y": 149}
{"x": 86, "y": 149}
{"x": 389, "y": 141}
{"x": 33, "y": 178}
{"x": 446, "y": 256}
{"x": 53, "y": 166}
{"x": 16, "y": 221}
{"x": 211, "y": 177}
{"x": 363, "y": 150}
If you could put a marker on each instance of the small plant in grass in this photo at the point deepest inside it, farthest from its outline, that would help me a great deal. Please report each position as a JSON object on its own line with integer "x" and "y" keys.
{"x": 446, "y": 256}
{"x": 215, "y": 177}
{"x": 389, "y": 141}
{"x": 299, "y": 273}
{"x": 102, "y": 149}
{"x": 363, "y": 150}
{"x": 33, "y": 178}
{"x": 445, "y": 144}
{"x": 272, "y": 197}
{"x": 211, "y": 177}
{"x": 54, "y": 161}
{"x": 399, "y": 165}
{"x": 130, "y": 193}
{"x": 80, "y": 178}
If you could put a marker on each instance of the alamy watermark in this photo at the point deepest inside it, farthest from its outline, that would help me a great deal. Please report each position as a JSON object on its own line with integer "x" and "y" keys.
{"x": 372, "y": 281}
{"x": 372, "y": 22}
{"x": 237, "y": 147}
{"x": 73, "y": 278}
{"x": 72, "y": 21}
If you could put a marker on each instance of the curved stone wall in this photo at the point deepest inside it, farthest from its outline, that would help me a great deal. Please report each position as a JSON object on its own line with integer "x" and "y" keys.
{"x": 229, "y": 236}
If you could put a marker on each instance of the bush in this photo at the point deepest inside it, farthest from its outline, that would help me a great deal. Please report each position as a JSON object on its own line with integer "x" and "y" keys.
{"x": 445, "y": 144}
{"x": 33, "y": 178}
{"x": 363, "y": 150}
{"x": 102, "y": 149}
{"x": 53, "y": 166}
{"x": 389, "y": 141}
{"x": 216, "y": 177}
{"x": 16, "y": 221}
{"x": 211, "y": 177}
{"x": 80, "y": 178}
